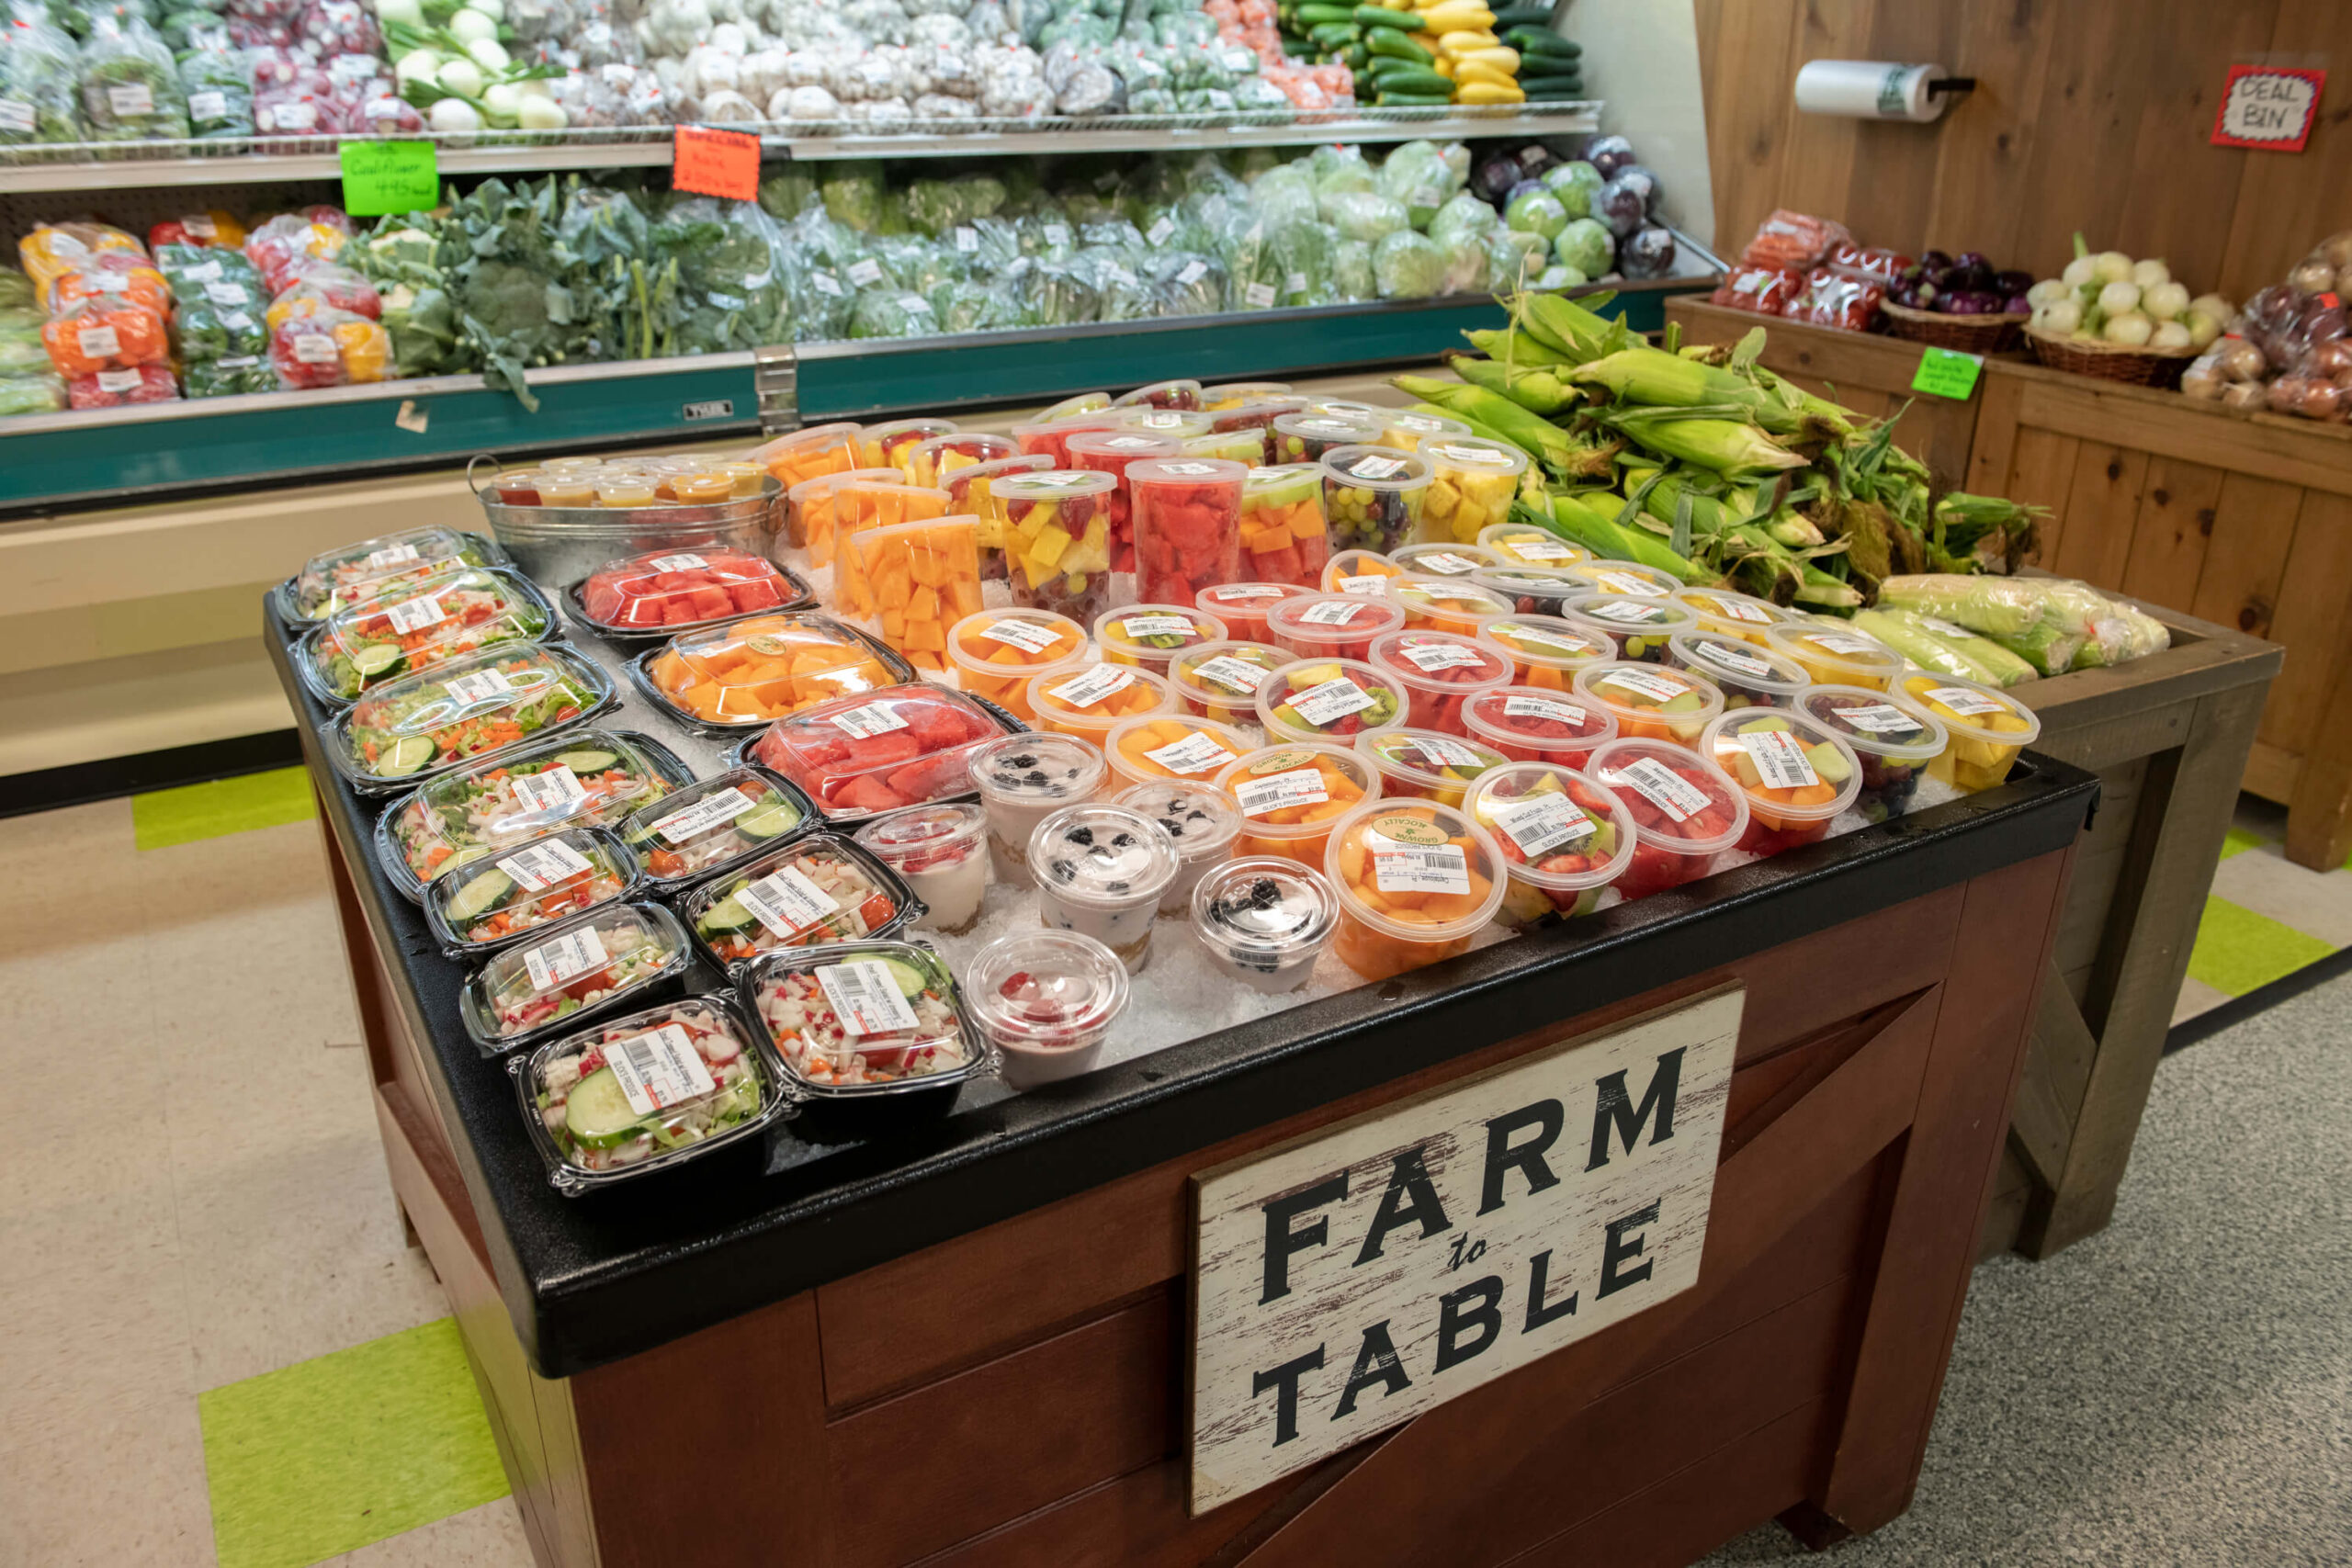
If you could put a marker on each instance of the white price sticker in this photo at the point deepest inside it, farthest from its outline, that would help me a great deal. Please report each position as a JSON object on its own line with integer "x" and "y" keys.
{"x": 1030, "y": 636}
{"x": 968, "y": 238}
{"x": 1445, "y": 563}
{"x": 391, "y": 556}
{"x": 1192, "y": 272}
{"x": 1085, "y": 691}
{"x": 786, "y": 902}
{"x": 1963, "y": 702}
{"x": 568, "y": 957}
{"x": 1158, "y": 233}
{"x": 1526, "y": 639}
{"x": 202, "y": 271}
{"x": 1295, "y": 283}
{"x": 237, "y": 321}
{"x": 658, "y": 1069}
{"x": 1371, "y": 585}
{"x": 16, "y": 114}
{"x": 1880, "y": 718}
{"x": 98, "y": 342}
{"x": 1374, "y": 467}
{"x": 131, "y": 98}
{"x": 415, "y": 615}
{"x": 1435, "y": 752}
{"x": 1539, "y": 824}
{"x": 540, "y": 866}
{"x": 678, "y": 563}
{"x": 826, "y": 283}
{"x": 1839, "y": 642}
{"x": 725, "y": 301}
{"x": 1251, "y": 591}
{"x": 203, "y": 228}
{"x": 478, "y": 686}
{"x": 1733, "y": 609}
{"x": 1260, "y": 296}
{"x": 227, "y": 294}
{"x": 868, "y": 721}
{"x": 1535, "y": 547}
{"x": 1236, "y": 675}
{"x": 1641, "y": 683}
{"x": 1735, "y": 658}
{"x": 1416, "y": 868}
{"x": 1189, "y": 471}
{"x": 865, "y": 274}
{"x": 1335, "y": 612}
{"x": 1557, "y": 711}
{"x": 684, "y": 826}
{"x": 1780, "y": 757}
{"x": 1330, "y": 702}
{"x": 866, "y": 997}
{"x": 118, "y": 380}
{"x": 1196, "y": 753}
{"x": 1626, "y": 583}
{"x": 914, "y": 304}
{"x": 1280, "y": 792}
{"x": 1141, "y": 626}
{"x": 555, "y": 792}
{"x": 1662, "y": 787}
{"x": 108, "y": 282}
{"x": 1625, "y": 613}
{"x": 314, "y": 348}
{"x": 1432, "y": 657}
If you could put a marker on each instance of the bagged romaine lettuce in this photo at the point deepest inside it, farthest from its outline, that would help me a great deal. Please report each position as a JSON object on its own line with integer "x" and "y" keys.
{"x": 1406, "y": 265}
{"x": 890, "y": 312}
{"x": 1121, "y": 283}
{"x": 937, "y": 207}
{"x": 1364, "y": 215}
{"x": 38, "y": 85}
{"x": 1065, "y": 293}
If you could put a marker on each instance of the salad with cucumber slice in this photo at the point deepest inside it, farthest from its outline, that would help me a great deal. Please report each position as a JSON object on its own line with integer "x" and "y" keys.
{"x": 877, "y": 1043}
{"x": 447, "y": 618}
{"x": 470, "y": 708}
{"x": 377, "y": 569}
{"x": 589, "y": 777}
{"x": 688, "y": 1077}
{"x": 533, "y": 885}
{"x": 814, "y": 892}
{"x": 712, "y": 824}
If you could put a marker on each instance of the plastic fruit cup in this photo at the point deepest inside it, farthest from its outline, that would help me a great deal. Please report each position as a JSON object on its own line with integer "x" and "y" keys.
{"x": 891, "y": 443}
{"x": 1290, "y": 794}
{"x": 1220, "y": 680}
{"x": 1265, "y": 920}
{"x": 1373, "y": 496}
{"x": 1529, "y": 725}
{"x": 1258, "y": 414}
{"x": 1346, "y": 408}
{"x": 1988, "y": 728}
{"x": 1199, "y": 820}
{"x": 931, "y": 460}
{"x": 940, "y": 852}
{"x": 1285, "y": 536}
{"x": 1421, "y": 764}
{"x": 1178, "y": 394}
{"x": 1638, "y": 627}
{"x": 1235, "y": 394}
{"x": 1100, "y": 870}
{"x": 1244, "y": 447}
{"x": 1444, "y": 559}
{"x": 1161, "y": 748}
{"x": 1110, "y": 452}
{"x": 1046, "y": 1001}
{"x": 1330, "y": 699}
{"x": 1651, "y": 702}
{"x": 1544, "y": 649}
{"x": 996, "y": 653}
{"x": 1076, "y": 406}
{"x": 1750, "y": 677}
{"x": 1438, "y": 604}
{"x": 1686, "y": 811}
{"x": 809, "y": 518}
{"x": 1472, "y": 486}
{"x": 1179, "y": 425}
{"x": 1531, "y": 589}
{"x": 921, "y": 579}
{"x": 1331, "y": 626}
{"x": 1023, "y": 780}
{"x": 972, "y": 490}
{"x": 1564, "y": 839}
{"x": 1627, "y": 577}
{"x": 1050, "y": 438}
{"x": 1895, "y": 738}
{"x": 1530, "y": 546}
{"x": 1149, "y": 636}
{"x": 1056, "y": 539}
{"x": 861, "y": 509}
{"x": 1359, "y": 572}
{"x": 1415, "y": 881}
{"x": 1727, "y": 614}
{"x": 1797, "y": 773}
{"x": 1244, "y": 606}
{"x": 1087, "y": 701}
{"x": 1835, "y": 656}
{"x": 806, "y": 453}
{"x": 1439, "y": 672}
{"x": 1304, "y": 437}
{"x": 1405, "y": 430}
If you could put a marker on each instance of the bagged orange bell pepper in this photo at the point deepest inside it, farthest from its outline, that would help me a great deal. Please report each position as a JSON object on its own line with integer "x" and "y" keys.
{"x": 91, "y": 335}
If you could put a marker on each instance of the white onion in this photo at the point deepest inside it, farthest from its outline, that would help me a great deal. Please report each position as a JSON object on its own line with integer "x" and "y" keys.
{"x": 461, "y": 76}
{"x": 2112, "y": 267}
{"x": 2165, "y": 302}
{"x": 416, "y": 64}
{"x": 490, "y": 55}
{"x": 2170, "y": 334}
{"x": 541, "y": 113}
{"x": 2049, "y": 291}
{"x": 2081, "y": 270}
{"x": 2120, "y": 298}
{"x": 2203, "y": 328}
{"x": 2148, "y": 274}
{"x": 2061, "y": 318}
{"x": 469, "y": 23}
{"x": 2131, "y": 329}
{"x": 455, "y": 114}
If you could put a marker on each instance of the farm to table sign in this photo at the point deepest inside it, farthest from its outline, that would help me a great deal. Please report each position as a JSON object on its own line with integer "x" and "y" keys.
{"x": 1347, "y": 1281}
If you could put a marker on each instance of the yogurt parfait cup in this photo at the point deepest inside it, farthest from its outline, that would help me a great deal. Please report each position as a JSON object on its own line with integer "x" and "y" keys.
{"x": 1837, "y": 656}
{"x": 1169, "y": 747}
{"x": 1373, "y": 496}
{"x": 1438, "y": 604}
{"x": 1415, "y": 880}
{"x": 1651, "y": 702}
{"x": 997, "y": 653}
{"x": 1988, "y": 728}
{"x": 1628, "y": 578}
{"x": 1405, "y": 430}
{"x": 1639, "y": 627}
{"x": 1529, "y": 545}
{"x": 1473, "y": 483}
{"x": 1290, "y": 794}
{"x": 940, "y": 852}
{"x": 1244, "y": 606}
{"x": 1529, "y": 724}
{"x": 1304, "y": 437}
{"x": 1265, "y": 920}
{"x": 1199, "y": 819}
{"x": 1220, "y": 680}
{"x": 1087, "y": 702}
{"x": 1046, "y": 1001}
{"x": 1564, "y": 839}
{"x": 1894, "y": 738}
{"x": 1531, "y": 589}
{"x": 1330, "y": 699}
{"x": 1686, "y": 811}
{"x": 1750, "y": 677}
{"x": 1331, "y": 626}
{"x": 1361, "y": 572}
{"x": 1726, "y": 614}
{"x": 1439, "y": 673}
{"x": 871, "y": 1036}
{"x": 1797, "y": 773}
{"x": 1099, "y": 870}
{"x": 1422, "y": 764}
{"x": 1148, "y": 635}
{"x": 1023, "y": 780}
{"x": 1545, "y": 650}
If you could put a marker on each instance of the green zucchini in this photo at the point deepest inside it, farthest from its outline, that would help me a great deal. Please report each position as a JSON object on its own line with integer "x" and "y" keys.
{"x": 1553, "y": 89}
{"x": 1313, "y": 13}
{"x": 1332, "y": 34}
{"x": 1541, "y": 40}
{"x": 1416, "y": 83}
{"x": 1396, "y": 46}
{"x": 1395, "y": 21}
{"x": 1389, "y": 99}
{"x": 1522, "y": 16}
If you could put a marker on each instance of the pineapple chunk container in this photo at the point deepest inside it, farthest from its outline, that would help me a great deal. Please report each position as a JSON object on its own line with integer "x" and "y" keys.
{"x": 1988, "y": 728}
{"x": 1472, "y": 485}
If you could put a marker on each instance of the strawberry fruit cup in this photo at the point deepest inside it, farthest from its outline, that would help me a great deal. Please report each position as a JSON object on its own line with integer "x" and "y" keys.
{"x": 1439, "y": 673}
{"x": 1564, "y": 839}
{"x": 1651, "y": 702}
{"x": 1290, "y": 794}
{"x": 1415, "y": 880}
{"x": 1686, "y": 811}
{"x": 1529, "y": 724}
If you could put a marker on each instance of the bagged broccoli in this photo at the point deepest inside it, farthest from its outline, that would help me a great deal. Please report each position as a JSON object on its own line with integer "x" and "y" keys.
{"x": 1364, "y": 215}
{"x": 785, "y": 194}
{"x": 1406, "y": 265}
{"x": 38, "y": 85}
{"x": 730, "y": 256}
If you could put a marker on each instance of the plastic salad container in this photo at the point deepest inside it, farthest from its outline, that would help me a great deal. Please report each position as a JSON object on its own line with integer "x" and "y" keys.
{"x": 931, "y": 460}
{"x": 1290, "y": 794}
{"x": 1405, "y": 430}
{"x": 1199, "y": 820}
{"x": 1304, "y": 437}
{"x": 1176, "y": 424}
{"x": 1178, "y": 394}
{"x": 379, "y": 569}
{"x": 644, "y": 1093}
{"x": 807, "y": 454}
{"x": 1415, "y": 880}
{"x": 497, "y": 902}
{"x": 710, "y": 825}
{"x": 1285, "y": 538}
{"x": 1530, "y": 545}
{"x": 1529, "y": 724}
{"x": 1057, "y": 542}
{"x": 1473, "y": 483}
{"x": 912, "y": 582}
{"x": 1220, "y": 680}
{"x": 1046, "y": 1001}
{"x": 1727, "y": 614}
{"x": 1797, "y": 773}
{"x": 1265, "y": 920}
{"x": 1331, "y": 626}
{"x": 1988, "y": 728}
{"x": 882, "y": 751}
{"x": 585, "y": 966}
{"x": 821, "y": 889}
{"x": 1100, "y": 869}
{"x": 582, "y": 778}
{"x": 814, "y": 508}
{"x": 468, "y": 711}
{"x": 996, "y": 653}
{"x": 1165, "y": 747}
{"x": 1422, "y": 764}
{"x": 1686, "y": 810}
{"x": 1187, "y": 514}
{"x": 1330, "y": 699}
{"x": 871, "y": 1035}
{"x": 1235, "y": 394}
{"x": 1361, "y": 572}
{"x": 1087, "y": 702}
{"x": 1651, "y": 701}
{"x": 1439, "y": 672}
{"x": 891, "y": 443}
{"x": 1545, "y": 650}
{"x": 971, "y": 492}
{"x": 1149, "y": 636}
{"x": 739, "y": 676}
{"x": 1627, "y": 577}
{"x": 1894, "y": 738}
{"x": 1564, "y": 839}
{"x": 1639, "y": 627}
{"x": 1372, "y": 495}
{"x": 1837, "y": 656}
{"x": 1110, "y": 452}
{"x": 940, "y": 852}
{"x": 1023, "y": 780}
{"x": 451, "y": 616}
{"x": 1750, "y": 677}
{"x": 1444, "y": 559}
{"x": 660, "y": 593}
{"x": 1531, "y": 589}
{"x": 1244, "y": 606}
{"x": 1438, "y": 604}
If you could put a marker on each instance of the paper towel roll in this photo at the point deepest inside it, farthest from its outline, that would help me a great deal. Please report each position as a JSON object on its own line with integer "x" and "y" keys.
{"x": 1870, "y": 89}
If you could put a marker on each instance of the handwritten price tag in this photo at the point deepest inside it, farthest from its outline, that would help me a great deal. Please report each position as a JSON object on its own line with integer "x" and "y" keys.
{"x": 388, "y": 176}
{"x": 1946, "y": 373}
{"x": 715, "y": 162}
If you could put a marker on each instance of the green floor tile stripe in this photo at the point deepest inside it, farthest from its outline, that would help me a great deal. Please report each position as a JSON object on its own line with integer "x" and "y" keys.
{"x": 329, "y": 1454}
{"x": 2238, "y": 950}
{"x": 166, "y": 817}
{"x": 2237, "y": 841}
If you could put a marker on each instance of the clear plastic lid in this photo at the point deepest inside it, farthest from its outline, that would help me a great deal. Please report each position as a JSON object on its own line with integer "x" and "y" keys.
{"x": 1974, "y": 712}
{"x": 1740, "y": 668}
{"x": 1728, "y": 614}
{"x": 1075, "y": 407}
{"x": 1258, "y": 414}
{"x": 1006, "y": 647}
{"x": 1051, "y": 440}
{"x": 1680, "y": 802}
{"x": 1109, "y": 451}
{"x": 931, "y": 460}
{"x": 1530, "y": 546}
{"x": 451, "y": 616}
{"x": 1103, "y": 854}
{"x": 1363, "y": 573}
{"x": 1275, "y": 484}
{"x": 1052, "y": 485}
{"x": 1199, "y": 819}
{"x": 1426, "y": 763}
{"x": 881, "y": 751}
{"x": 1177, "y": 394}
{"x": 1545, "y": 642}
{"x": 466, "y": 711}
{"x": 1442, "y": 605}
{"x": 1470, "y": 458}
{"x": 1627, "y": 577}
{"x": 1414, "y": 870}
{"x": 1795, "y": 769}
{"x": 1444, "y": 559}
{"x": 817, "y": 890}
{"x": 959, "y": 483}
{"x": 1176, "y": 424}
{"x": 1835, "y": 656}
{"x": 1876, "y": 723}
{"x": 1245, "y": 446}
{"x": 922, "y": 837}
{"x": 1033, "y": 768}
{"x": 1087, "y": 701}
{"x": 912, "y": 582}
{"x": 1044, "y": 989}
{"x": 714, "y": 822}
{"x": 584, "y": 777}
{"x": 749, "y": 672}
{"x": 1304, "y": 437}
{"x": 1264, "y": 910}
{"x": 1650, "y": 699}
{"x": 1166, "y": 746}
{"x": 1330, "y": 699}
{"x": 1535, "y": 723}
{"x": 1331, "y": 623}
{"x": 891, "y": 443}
{"x": 1640, "y": 627}
{"x": 583, "y": 965}
{"x": 1220, "y": 678}
{"x": 806, "y": 453}
{"x": 530, "y": 884}
{"x": 1349, "y": 408}
{"x": 861, "y": 1018}
{"x": 643, "y": 1093}
{"x": 682, "y": 589}
{"x": 1557, "y": 829}
{"x": 1439, "y": 661}
{"x": 1297, "y": 789}
{"x": 1234, "y": 394}
{"x": 1405, "y": 430}
{"x": 1530, "y": 589}
{"x": 1244, "y": 606}
{"x": 375, "y": 568}
{"x": 1151, "y": 634}
{"x": 1382, "y": 470}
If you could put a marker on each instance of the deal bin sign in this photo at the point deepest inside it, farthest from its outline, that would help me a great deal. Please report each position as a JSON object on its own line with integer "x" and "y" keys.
{"x": 1350, "y": 1280}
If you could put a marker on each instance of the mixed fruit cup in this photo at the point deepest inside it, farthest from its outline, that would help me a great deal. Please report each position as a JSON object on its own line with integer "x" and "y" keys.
{"x": 1892, "y": 737}
{"x": 1056, "y": 539}
{"x": 1639, "y": 626}
{"x": 1564, "y": 839}
{"x": 1685, "y": 811}
{"x": 1111, "y": 452}
{"x": 1532, "y": 724}
{"x": 1650, "y": 702}
{"x": 1797, "y": 775}
{"x": 1545, "y": 651}
{"x": 1427, "y": 765}
{"x": 1330, "y": 699}
{"x": 1149, "y": 636}
{"x": 1220, "y": 680}
{"x": 1284, "y": 535}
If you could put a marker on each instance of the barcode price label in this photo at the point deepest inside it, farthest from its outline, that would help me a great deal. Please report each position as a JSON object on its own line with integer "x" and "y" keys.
{"x": 678, "y": 563}
{"x": 865, "y": 274}
{"x": 1733, "y": 609}
{"x": 1432, "y": 657}
{"x": 1547, "y": 707}
{"x": 868, "y": 721}
{"x": 1446, "y": 564}
{"x": 1234, "y": 676}
{"x": 1090, "y": 688}
{"x": 786, "y": 902}
{"x": 1780, "y": 758}
{"x": 1542, "y": 823}
{"x": 478, "y": 686}
{"x": 866, "y": 999}
{"x": 555, "y": 792}
{"x": 540, "y": 866}
{"x": 568, "y": 957}
{"x": 1626, "y": 583}
{"x": 98, "y": 342}
{"x": 415, "y": 615}
{"x": 1416, "y": 868}
{"x": 1369, "y": 586}
{"x": 1330, "y": 702}
{"x": 1736, "y": 659}
{"x": 1158, "y": 233}
{"x": 1642, "y": 684}
{"x": 1336, "y": 612}
{"x": 1251, "y": 591}
{"x": 968, "y": 238}
{"x": 1625, "y": 613}
{"x": 1280, "y": 792}
{"x": 1260, "y": 296}
{"x": 1373, "y": 467}
{"x": 1880, "y": 718}
{"x": 118, "y": 380}
{"x": 1537, "y": 547}
{"x": 1436, "y": 750}
{"x": 391, "y": 556}
{"x": 1196, "y": 753}
{"x": 1839, "y": 642}
{"x": 682, "y": 827}
{"x": 1963, "y": 702}
{"x": 1662, "y": 787}
{"x": 1030, "y": 636}
{"x": 658, "y": 1069}
{"x": 1141, "y": 626}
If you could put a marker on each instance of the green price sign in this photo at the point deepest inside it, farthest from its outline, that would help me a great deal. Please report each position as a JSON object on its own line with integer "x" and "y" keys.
{"x": 1947, "y": 372}
{"x": 388, "y": 176}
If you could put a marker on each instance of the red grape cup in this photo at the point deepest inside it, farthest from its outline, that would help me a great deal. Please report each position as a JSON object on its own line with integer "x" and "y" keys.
{"x": 1244, "y": 606}
{"x": 1331, "y": 626}
{"x": 1110, "y": 452}
{"x": 1686, "y": 811}
{"x": 1564, "y": 839}
{"x": 1529, "y": 725}
{"x": 1187, "y": 525}
{"x": 1439, "y": 673}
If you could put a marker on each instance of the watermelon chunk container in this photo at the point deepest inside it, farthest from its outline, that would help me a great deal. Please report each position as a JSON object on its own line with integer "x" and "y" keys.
{"x": 644, "y": 599}
{"x": 1245, "y": 607}
{"x": 1529, "y": 724}
{"x": 1686, "y": 811}
{"x": 1373, "y": 495}
{"x": 1286, "y": 537}
{"x": 860, "y": 756}
{"x": 1187, "y": 525}
{"x": 1110, "y": 452}
{"x": 1057, "y": 541}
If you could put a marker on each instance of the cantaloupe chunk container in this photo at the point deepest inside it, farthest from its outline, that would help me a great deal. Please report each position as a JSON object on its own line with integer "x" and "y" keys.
{"x": 860, "y": 508}
{"x": 996, "y": 653}
{"x": 808, "y": 522}
{"x": 1291, "y": 794}
{"x": 1797, "y": 773}
{"x": 808, "y": 454}
{"x": 1162, "y": 747}
{"x": 1530, "y": 545}
{"x": 922, "y": 579}
{"x": 750, "y": 671}
{"x": 1088, "y": 701}
{"x": 1417, "y": 882}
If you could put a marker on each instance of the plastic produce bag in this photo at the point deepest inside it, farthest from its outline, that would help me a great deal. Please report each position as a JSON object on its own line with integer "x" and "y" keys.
{"x": 730, "y": 256}
{"x": 37, "y": 392}
{"x": 510, "y": 282}
{"x": 131, "y": 88}
{"x": 1406, "y": 265}
{"x": 1122, "y": 283}
{"x": 318, "y": 345}
{"x": 938, "y": 207}
{"x": 890, "y": 312}
{"x": 1188, "y": 286}
{"x": 785, "y": 194}
{"x": 54, "y": 249}
{"x": 116, "y": 276}
{"x": 1352, "y": 271}
{"x": 333, "y": 285}
{"x": 1308, "y": 254}
{"x": 40, "y": 83}
{"x": 220, "y": 318}
{"x": 1514, "y": 260}
{"x": 1420, "y": 175}
{"x": 1339, "y": 170}
{"x": 93, "y": 334}
{"x": 1364, "y": 215}
{"x": 111, "y": 388}
{"x": 1466, "y": 265}
{"x": 218, "y": 86}
{"x": 1586, "y": 246}
{"x": 853, "y": 195}
{"x": 290, "y": 244}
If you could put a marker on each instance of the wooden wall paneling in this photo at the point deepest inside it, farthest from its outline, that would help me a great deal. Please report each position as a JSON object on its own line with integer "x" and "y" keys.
{"x": 2310, "y": 620}
{"x": 2102, "y": 506}
{"x": 2254, "y": 525}
{"x": 1746, "y": 100}
{"x": 2288, "y": 202}
{"x": 1985, "y": 142}
{"x": 2169, "y": 537}
{"x": 2042, "y": 473}
{"x": 1894, "y": 165}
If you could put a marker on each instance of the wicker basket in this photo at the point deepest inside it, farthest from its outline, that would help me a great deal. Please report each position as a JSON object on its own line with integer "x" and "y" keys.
{"x": 1969, "y": 335}
{"x": 2112, "y": 361}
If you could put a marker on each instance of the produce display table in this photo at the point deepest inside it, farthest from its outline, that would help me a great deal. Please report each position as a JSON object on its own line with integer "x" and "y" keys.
{"x": 968, "y": 1343}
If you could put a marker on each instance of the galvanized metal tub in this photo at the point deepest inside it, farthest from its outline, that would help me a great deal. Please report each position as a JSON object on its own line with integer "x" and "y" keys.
{"x": 564, "y": 544}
